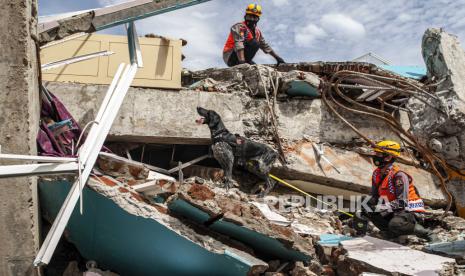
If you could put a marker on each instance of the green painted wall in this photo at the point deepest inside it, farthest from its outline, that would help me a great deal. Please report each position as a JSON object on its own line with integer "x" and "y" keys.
{"x": 128, "y": 244}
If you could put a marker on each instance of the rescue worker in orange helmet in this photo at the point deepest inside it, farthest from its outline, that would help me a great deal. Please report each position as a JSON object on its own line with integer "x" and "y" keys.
{"x": 400, "y": 207}
{"x": 245, "y": 38}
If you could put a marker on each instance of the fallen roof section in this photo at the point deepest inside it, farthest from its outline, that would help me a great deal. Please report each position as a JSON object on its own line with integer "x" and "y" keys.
{"x": 131, "y": 237}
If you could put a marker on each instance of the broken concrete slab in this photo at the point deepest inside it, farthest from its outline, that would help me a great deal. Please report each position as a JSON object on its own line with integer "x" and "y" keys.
{"x": 256, "y": 79}
{"x": 157, "y": 116}
{"x": 455, "y": 249}
{"x": 121, "y": 230}
{"x": 442, "y": 120}
{"x": 151, "y": 115}
{"x": 162, "y": 116}
{"x": 370, "y": 254}
{"x": 440, "y": 123}
{"x": 356, "y": 171}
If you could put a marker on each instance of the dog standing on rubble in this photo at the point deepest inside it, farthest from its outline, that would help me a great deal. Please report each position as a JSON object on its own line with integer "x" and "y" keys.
{"x": 231, "y": 149}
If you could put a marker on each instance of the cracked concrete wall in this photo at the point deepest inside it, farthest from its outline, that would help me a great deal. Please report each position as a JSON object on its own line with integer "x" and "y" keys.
{"x": 355, "y": 177}
{"x": 19, "y": 115}
{"x": 158, "y": 116}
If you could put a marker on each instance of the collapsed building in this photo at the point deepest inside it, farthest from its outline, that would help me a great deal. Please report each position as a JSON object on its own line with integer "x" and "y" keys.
{"x": 154, "y": 203}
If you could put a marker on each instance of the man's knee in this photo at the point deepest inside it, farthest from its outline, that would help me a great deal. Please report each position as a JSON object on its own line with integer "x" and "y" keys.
{"x": 402, "y": 223}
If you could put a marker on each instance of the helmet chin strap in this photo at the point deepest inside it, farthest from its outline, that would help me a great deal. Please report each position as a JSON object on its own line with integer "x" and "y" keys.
{"x": 381, "y": 162}
{"x": 251, "y": 24}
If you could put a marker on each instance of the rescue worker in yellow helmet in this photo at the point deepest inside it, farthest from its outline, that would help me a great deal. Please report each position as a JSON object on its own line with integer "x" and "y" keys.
{"x": 245, "y": 38}
{"x": 399, "y": 207}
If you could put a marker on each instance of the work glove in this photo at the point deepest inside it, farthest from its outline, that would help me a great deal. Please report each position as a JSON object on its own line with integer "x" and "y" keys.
{"x": 385, "y": 212}
{"x": 397, "y": 205}
{"x": 279, "y": 60}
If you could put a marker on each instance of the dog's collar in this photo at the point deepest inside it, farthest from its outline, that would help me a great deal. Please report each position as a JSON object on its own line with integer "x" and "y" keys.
{"x": 218, "y": 136}
{"x": 219, "y": 133}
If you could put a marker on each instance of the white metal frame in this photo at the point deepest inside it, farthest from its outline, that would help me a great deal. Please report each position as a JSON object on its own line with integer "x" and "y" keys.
{"x": 59, "y": 63}
{"x": 87, "y": 155}
{"x": 37, "y": 169}
{"x": 89, "y": 152}
{"x": 187, "y": 164}
{"x": 45, "y": 159}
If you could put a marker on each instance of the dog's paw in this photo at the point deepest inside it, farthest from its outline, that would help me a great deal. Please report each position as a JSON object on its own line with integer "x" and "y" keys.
{"x": 265, "y": 192}
{"x": 228, "y": 184}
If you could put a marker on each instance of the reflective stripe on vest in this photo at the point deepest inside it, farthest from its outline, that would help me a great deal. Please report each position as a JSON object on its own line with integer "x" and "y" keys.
{"x": 386, "y": 188}
{"x": 246, "y": 32}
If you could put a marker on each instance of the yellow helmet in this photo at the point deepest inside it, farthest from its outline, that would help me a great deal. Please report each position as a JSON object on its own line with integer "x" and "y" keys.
{"x": 254, "y": 9}
{"x": 390, "y": 147}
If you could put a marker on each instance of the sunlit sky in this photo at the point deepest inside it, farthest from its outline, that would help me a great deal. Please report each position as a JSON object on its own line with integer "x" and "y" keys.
{"x": 328, "y": 30}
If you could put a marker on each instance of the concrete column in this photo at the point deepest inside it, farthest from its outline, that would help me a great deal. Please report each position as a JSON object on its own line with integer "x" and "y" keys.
{"x": 19, "y": 116}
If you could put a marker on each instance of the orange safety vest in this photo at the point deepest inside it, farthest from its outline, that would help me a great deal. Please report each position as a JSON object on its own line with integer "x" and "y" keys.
{"x": 387, "y": 189}
{"x": 246, "y": 32}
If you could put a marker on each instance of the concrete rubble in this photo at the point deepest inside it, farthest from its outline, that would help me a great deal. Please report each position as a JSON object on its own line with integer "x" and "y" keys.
{"x": 222, "y": 215}
{"x": 439, "y": 123}
{"x": 197, "y": 208}
{"x": 360, "y": 253}
{"x": 150, "y": 216}
{"x": 299, "y": 110}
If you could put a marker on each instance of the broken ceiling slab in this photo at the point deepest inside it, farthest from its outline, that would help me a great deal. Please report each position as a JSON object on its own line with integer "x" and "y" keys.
{"x": 60, "y": 26}
{"x": 270, "y": 215}
{"x": 121, "y": 231}
{"x": 167, "y": 117}
{"x": 370, "y": 254}
{"x": 153, "y": 115}
{"x": 356, "y": 171}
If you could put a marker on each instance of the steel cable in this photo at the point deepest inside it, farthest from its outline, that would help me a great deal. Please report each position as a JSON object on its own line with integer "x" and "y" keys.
{"x": 335, "y": 84}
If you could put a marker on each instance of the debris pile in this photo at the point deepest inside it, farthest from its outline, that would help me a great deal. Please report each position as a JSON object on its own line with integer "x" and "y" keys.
{"x": 165, "y": 207}
{"x": 290, "y": 239}
{"x": 321, "y": 117}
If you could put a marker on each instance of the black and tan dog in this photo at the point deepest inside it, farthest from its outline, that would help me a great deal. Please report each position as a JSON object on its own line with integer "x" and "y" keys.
{"x": 231, "y": 149}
